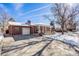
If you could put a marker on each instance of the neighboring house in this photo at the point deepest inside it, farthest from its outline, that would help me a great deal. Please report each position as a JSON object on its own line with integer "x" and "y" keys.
{"x": 15, "y": 28}
{"x": 70, "y": 25}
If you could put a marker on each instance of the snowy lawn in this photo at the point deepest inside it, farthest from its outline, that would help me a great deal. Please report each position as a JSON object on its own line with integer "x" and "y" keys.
{"x": 71, "y": 39}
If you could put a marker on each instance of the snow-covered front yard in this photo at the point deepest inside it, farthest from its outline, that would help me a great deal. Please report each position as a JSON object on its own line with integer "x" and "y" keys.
{"x": 47, "y": 45}
{"x": 71, "y": 38}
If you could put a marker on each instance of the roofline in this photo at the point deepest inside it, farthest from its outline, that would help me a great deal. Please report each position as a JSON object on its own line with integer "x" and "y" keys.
{"x": 37, "y": 24}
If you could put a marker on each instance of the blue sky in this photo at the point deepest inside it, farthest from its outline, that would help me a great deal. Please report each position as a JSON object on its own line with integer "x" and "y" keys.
{"x": 28, "y": 11}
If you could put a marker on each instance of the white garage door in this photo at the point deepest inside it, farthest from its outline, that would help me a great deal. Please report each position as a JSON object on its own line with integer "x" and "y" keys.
{"x": 25, "y": 31}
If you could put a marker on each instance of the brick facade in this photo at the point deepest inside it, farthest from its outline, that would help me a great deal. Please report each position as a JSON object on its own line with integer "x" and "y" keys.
{"x": 17, "y": 30}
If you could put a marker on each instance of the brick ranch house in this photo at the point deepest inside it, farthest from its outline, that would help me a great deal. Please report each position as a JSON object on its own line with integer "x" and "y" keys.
{"x": 15, "y": 28}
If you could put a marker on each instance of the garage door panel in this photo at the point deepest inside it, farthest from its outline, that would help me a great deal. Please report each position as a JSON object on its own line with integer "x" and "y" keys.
{"x": 25, "y": 31}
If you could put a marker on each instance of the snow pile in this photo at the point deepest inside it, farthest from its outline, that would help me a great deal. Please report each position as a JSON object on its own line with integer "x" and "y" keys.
{"x": 1, "y": 37}
{"x": 66, "y": 38}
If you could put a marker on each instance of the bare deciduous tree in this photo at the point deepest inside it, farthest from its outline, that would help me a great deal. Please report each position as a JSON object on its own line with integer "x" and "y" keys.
{"x": 4, "y": 19}
{"x": 63, "y": 13}
{"x": 73, "y": 14}
{"x": 59, "y": 11}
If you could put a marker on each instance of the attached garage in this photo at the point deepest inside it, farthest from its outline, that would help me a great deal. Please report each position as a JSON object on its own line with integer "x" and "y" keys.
{"x": 19, "y": 29}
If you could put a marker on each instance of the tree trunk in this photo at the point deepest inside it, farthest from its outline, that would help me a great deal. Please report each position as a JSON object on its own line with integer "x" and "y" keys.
{"x": 62, "y": 28}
